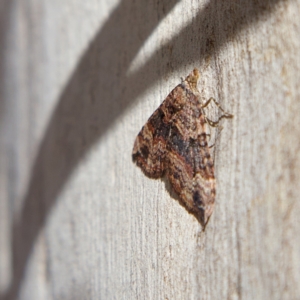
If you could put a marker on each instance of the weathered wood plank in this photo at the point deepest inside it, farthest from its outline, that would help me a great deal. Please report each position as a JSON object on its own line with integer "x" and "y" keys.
{"x": 78, "y": 219}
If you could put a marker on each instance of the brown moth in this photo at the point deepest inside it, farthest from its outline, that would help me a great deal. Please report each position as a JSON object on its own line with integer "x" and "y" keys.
{"x": 173, "y": 143}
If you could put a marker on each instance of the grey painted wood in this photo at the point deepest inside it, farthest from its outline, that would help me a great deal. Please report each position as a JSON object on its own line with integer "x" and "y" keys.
{"x": 78, "y": 219}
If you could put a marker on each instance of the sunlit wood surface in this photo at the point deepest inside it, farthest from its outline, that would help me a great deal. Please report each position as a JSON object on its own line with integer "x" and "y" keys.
{"x": 78, "y": 220}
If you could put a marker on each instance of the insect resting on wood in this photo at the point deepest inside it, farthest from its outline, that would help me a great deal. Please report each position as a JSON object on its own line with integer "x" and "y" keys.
{"x": 173, "y": 143}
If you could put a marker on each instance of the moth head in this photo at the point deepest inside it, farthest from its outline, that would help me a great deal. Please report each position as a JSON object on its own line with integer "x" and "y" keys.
{"x": 192, "y": 78}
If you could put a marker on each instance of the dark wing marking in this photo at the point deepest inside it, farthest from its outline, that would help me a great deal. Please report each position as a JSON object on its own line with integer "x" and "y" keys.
{"x": 191, "y": 173}
{"x": 149, "y": 149}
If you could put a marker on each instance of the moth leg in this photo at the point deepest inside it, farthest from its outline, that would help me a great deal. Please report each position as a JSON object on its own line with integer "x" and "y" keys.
{"x": 225, "y": 115}
{"x": 208, "y": 135}
{"x": 217, "y": 136}
{"x": 216, "y": 123}
{"x": 212, "y": 123}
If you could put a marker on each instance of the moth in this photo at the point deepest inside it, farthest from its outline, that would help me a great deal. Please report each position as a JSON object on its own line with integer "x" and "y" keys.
{"x": 174, "y": 143}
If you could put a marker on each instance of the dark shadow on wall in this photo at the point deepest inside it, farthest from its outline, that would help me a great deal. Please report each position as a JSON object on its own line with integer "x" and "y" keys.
{"x": 5, "y": 9}
{"x": 91, "y": 102}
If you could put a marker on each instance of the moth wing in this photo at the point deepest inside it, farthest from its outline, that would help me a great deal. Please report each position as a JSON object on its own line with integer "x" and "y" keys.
{"x": 204, "y": 182}
{"x": 191, "y": 173}
{"x": 149, "y": 150}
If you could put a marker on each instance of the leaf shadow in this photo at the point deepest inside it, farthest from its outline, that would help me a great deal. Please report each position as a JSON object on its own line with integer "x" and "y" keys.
{"x": 5, "y": 7}
{"x": 90, "y": 103}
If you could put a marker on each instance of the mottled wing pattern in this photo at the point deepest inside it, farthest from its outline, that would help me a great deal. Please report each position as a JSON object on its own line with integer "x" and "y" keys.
{"x": 191, "y": 172}
{"x": 173, "y": 142}
{"x": 149, "y": 151}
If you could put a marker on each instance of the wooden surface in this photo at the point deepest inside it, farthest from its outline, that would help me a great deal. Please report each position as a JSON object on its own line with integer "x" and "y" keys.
{"x": 78, "y": 220}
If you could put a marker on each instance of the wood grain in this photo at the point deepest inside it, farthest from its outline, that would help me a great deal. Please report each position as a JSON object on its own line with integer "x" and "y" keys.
{"x": 78, "y": 219}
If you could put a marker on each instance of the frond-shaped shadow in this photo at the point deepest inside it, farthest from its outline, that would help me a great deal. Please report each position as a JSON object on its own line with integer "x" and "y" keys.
{"x": 90, "y": 103}
{"x": 5, "y": 7}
